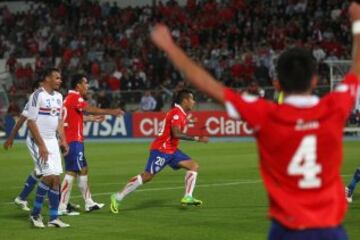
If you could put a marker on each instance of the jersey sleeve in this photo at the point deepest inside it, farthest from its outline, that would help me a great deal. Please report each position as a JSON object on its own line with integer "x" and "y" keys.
{"x": 250, "y": 108}
{"x": 34, "y": 105}
{"x": 78, "y": 103}
{"x": 346, "y": 94}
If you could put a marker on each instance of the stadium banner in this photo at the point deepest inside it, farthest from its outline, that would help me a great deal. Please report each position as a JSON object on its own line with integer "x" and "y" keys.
{"x": 111, "y": 127}
{"x": 210, "y": 123}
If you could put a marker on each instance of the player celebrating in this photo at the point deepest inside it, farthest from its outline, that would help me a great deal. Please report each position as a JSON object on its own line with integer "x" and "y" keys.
{"x": 44, "y": 121}
{"x": 299, "y": 141}
{"x": 164, "y": 151}
{"x": 75, "y": 161}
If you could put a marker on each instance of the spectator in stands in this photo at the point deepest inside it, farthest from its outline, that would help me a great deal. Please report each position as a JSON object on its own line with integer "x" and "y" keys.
{"x": 147, "y": 102}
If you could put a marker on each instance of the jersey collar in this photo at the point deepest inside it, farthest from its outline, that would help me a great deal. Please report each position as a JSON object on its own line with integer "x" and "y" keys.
{"x": 302, "y": 101}
{"x": 181, "y": 109}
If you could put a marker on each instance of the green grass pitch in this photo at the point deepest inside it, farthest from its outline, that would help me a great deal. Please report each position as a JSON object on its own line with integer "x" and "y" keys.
{"x": 235, "y": 204}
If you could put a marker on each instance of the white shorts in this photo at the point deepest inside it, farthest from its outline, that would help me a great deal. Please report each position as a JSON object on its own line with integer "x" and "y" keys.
{"x": 53, "y": 166}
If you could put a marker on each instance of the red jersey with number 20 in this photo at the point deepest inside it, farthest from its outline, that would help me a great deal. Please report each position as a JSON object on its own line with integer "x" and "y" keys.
{"x": 300, "y": 148}
{"x": 165, "y": 142}
{"x": 74, "y": 106}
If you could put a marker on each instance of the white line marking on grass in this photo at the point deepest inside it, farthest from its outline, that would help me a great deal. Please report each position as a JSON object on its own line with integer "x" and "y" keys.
{"x": 171, "y": 188}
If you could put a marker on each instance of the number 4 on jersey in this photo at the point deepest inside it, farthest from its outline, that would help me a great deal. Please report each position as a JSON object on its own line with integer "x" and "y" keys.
{"x": 304, "y": 163}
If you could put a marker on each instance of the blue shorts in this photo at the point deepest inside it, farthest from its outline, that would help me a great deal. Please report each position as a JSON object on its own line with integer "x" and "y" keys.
{"x": 75, "y": 160}
{"x": 158, "y": 160}
{"x": 279, "y": 232}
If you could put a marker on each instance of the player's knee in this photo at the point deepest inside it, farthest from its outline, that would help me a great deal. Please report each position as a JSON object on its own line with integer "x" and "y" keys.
{"x": 146, "y": 177}
{"x": 194, "y": 167}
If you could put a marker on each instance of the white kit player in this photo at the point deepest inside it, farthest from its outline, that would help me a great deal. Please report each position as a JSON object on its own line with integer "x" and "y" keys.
{"x": 44, "y": 122}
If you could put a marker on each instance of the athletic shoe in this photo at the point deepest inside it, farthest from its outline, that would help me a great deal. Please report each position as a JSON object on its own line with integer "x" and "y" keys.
{"x": 37, "y": 221}
{"x": 58, "y": 223}
{"x": 114, "y": 204}
{"x": 348, "y": 194}
{"x": 93, "y": 207}
{"x": 23, "y": 204}
{"x": 72, "y": 206}
{"x": 191, "y": 201}
{"x": 68, "y": 212}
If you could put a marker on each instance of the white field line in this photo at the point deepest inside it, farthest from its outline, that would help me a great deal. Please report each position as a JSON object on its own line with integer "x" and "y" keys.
{"x": 171, "y": 188}
{"x": 234, "y": 183}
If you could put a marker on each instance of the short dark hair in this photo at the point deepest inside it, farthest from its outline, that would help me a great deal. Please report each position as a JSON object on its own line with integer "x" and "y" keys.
{"x": 180, "y": 96}
{"x": 295, "y": 69}
{"x": 76, "y": 79}
{"x": 47, "y": 72}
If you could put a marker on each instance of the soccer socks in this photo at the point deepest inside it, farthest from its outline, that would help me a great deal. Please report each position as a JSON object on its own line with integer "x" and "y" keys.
{"x": 84, "y": 189}
{"x": 190, "y": 181}
{"x": 131, "y": 186}
{"x": 54, "y": 203}
{"x": 29, "y": 186}
{"x": 355, "y": 180}
{"x": 66, "y": 187}
{"x": 41, "y": 191}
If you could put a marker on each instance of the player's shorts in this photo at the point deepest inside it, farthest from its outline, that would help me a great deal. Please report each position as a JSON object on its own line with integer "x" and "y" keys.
{"x": 158, "y": 160}
{"x": 53, "y": 166}
{"x": 75, "y": 160}
{"x": 278, "y": 231}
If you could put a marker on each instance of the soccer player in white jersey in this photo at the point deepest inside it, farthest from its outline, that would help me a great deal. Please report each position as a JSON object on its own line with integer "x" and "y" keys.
{"x": 44, "y": 121}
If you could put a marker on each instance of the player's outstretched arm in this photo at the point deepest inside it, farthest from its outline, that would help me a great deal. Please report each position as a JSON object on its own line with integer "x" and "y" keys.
{"x": 354, "y": 11}
{"x": 177, "y": 133}
{"x": 195, "y": 74}
{"x": 10, "y": 140}
{"x": 104, "y": 111}
{"x": 94, "y": 118}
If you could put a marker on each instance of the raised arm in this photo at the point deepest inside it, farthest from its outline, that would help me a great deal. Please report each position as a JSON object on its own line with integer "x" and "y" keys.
{"x": 354, "y": 11}
{"x": 10, "y": 140}
{"x": 192, "y": 71}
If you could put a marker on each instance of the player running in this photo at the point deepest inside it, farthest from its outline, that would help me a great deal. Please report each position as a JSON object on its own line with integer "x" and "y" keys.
{"x": 75, "y": 161}
{"x": 299, "y": 141}
{"x": 164, "y": 151}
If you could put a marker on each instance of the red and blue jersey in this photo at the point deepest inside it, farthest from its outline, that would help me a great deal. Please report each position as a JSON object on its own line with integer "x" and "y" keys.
{"x": 165, "y": 142}
{"x": 300, "y": 148}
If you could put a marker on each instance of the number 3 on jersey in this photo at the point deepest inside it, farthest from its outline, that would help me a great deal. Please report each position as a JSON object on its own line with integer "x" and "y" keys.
{"x": 304, "y": 163}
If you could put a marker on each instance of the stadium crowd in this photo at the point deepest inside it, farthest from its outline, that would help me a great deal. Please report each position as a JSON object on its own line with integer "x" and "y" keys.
{"x": 238, "y": 41}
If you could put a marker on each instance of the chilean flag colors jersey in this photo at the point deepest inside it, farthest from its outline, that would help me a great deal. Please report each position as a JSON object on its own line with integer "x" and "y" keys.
{"x": 300, "y": 148}
{"x": 74, "y": 106}
{"x": 165, "y": 142}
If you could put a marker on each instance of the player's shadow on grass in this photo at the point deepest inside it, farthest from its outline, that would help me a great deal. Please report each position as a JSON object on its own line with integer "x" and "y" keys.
{"x": 20, "y": 216}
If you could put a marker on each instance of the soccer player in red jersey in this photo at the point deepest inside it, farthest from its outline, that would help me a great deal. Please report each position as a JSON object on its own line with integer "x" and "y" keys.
{"x": 75, "y": 161}
{"x": 299, "y": 141}
{"x": 164, "y": 151}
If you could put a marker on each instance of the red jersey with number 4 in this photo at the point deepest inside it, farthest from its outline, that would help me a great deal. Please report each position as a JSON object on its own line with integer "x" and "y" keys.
{"x": 300, "y": 148}
{"x": 165, "y": 142}
{"x": 74, "y": 106}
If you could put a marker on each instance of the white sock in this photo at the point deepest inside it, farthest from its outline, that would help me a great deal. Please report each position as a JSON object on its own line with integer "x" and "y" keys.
{"x": 131, "y": 186}
{"x": 190, "y": 181}
{"x": 85, "y": 190}
{"x": 66, "y": 187}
